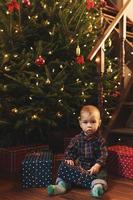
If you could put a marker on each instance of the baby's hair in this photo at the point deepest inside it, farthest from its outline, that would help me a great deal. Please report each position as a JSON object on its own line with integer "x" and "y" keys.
{"x": 90, "y": 109}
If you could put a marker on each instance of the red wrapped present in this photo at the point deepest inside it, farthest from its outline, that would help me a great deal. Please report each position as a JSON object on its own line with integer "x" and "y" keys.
{"x": 11, "y": 158}
{"x": 120, "y": 161}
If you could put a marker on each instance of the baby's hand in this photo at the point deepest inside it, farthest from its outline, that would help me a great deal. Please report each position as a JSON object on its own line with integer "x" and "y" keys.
{"x": 69, "y": 162}
{"x": 94, "y": 169}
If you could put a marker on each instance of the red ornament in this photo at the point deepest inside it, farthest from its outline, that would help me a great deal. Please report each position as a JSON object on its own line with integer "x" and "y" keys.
{"x": 80, "y": 60}
{"x": 40, "y": 61}
{"x": 90, "y": 4}
{"x": 26, "y": 2}
{"x": 13, "y": 5}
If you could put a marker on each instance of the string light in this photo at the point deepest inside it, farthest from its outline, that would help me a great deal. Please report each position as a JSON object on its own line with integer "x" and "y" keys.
{"x": 71, "y": 40}
{"x": 115, "y": 77}
{"x": 61, "y": 66}
{"x": 34, "y": 117}
{"x": 6, "y": 56}
{"x": 48, "y": 81}
{"x": 59, "y": 115}
{"x": 109, "y": 69}
{"x": 16, "y": 31}
{"x": 62, "y": 89}
{"x": 14, "y": 110}
{"x": 36, "y": 16}
{"x": 50, "y": 33}
{"x": 50, "y": 52}
{"x": 97, "y": 60}
{"x": 5, "y": 86}
{"x": 15, "y": 56}
{"x": 56, "y": 2}
{"x": 78, "y": 80}
{"x": 7, "y": 68}
{"x": 86, "y": 84}
{"x": 47, "y": 22}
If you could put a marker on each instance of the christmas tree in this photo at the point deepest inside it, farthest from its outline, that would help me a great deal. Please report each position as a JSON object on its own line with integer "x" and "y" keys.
{"x": 45, "y": 76}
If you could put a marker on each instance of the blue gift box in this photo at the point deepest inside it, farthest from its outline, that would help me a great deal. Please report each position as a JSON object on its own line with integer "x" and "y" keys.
{"x": 37, "y": 170}
{"x": 75, "y": 175}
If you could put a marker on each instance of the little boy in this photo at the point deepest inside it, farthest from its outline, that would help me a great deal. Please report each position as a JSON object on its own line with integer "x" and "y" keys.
{"x": 88, "y": 151}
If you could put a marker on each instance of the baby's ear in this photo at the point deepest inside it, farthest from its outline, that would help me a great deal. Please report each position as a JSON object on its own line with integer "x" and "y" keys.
{"x": 100, "y": 121}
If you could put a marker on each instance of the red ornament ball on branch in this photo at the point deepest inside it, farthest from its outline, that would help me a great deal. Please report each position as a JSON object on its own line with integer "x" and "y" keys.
{"x": 80, "y": 60}
{"x": 90, "y": 4}
{"x": 39, "y": 61}
{"x": 26, "y": 2}
{"x": 13, "y": 5}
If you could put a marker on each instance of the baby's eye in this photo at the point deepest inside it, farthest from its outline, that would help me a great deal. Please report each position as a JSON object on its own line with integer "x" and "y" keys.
{"x": 85, "y": 122}
{"x": 93, "y": 121}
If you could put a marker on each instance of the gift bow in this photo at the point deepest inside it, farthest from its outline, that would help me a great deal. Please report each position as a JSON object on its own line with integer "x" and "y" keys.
{"x": 12, "y": 6}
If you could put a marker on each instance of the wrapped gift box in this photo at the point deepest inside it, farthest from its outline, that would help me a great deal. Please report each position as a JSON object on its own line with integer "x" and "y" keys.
{"x": 37, "y": 170}
{"x": 120, "y": 161}
{"x": 75, "y": 175}
{"x": 12, "y": 157}
{"x": 58, "y": 158}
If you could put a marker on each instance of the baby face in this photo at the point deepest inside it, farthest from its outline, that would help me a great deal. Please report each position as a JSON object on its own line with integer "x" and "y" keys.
{"x": 89, "y": 122}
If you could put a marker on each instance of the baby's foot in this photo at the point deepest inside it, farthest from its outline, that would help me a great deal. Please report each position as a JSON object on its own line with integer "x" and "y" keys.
{"x": 56, "y": 189}
{"x": 97, "y": 191}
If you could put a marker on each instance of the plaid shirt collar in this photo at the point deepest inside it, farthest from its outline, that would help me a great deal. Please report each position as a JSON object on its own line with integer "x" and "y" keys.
{"x": 91, "y": 136}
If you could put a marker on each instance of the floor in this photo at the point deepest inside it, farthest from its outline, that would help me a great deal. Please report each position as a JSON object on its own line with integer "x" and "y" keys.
{"x": 10, "y": 189}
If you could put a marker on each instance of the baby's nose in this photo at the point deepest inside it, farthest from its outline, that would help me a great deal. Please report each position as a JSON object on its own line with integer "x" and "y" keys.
{"x": 88, "y": 124}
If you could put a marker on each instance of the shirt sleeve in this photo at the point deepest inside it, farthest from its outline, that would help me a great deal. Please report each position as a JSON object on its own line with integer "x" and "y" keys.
{"x": 71, "y": 152}
{"x": 103, "y": 152}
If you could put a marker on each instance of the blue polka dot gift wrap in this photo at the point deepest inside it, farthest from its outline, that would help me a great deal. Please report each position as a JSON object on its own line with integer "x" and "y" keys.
{"x": 75, "y": 175}
{"x": 37, "y": 170}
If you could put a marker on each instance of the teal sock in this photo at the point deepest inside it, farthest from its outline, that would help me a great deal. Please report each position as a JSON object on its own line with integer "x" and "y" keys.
{"x": 97, "y": 191}
{"x": 56, "y": 189}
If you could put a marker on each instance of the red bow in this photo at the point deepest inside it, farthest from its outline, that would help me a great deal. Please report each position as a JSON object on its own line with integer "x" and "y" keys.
{"x": 12, "y": 6}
